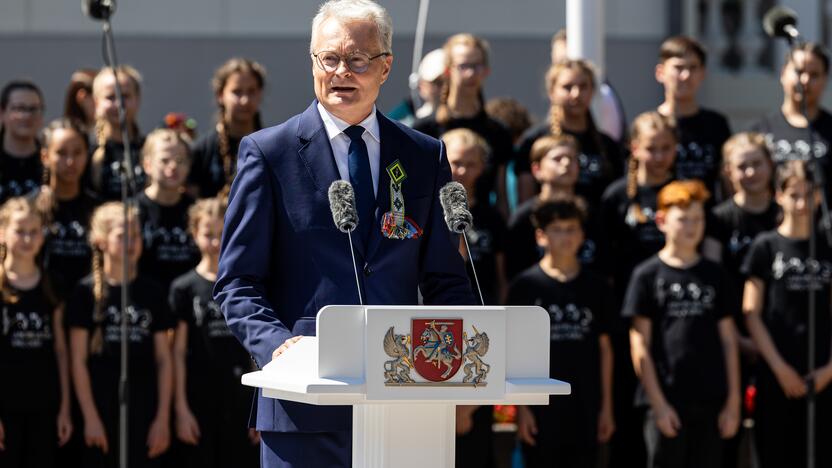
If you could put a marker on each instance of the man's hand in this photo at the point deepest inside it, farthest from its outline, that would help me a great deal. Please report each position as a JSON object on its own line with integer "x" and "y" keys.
{"x": 285, "y": 346}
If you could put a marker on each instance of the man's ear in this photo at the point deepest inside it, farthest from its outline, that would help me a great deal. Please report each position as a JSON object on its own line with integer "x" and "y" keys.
{"x": 388, "y": 65}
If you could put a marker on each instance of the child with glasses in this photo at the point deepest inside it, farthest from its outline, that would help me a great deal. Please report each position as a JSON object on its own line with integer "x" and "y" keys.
{"x": 462, "y": 105}
{"x": 21, "y": 118}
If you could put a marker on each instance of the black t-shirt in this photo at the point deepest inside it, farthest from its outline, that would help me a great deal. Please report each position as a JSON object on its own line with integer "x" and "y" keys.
{"x": 212, "y": 349}
{"x": 486, "y": 239}
{"x": 19, "y": 176}
{"x": 632, "y": 242}
{"x": 599, "y": 164}
{"x": 781, "y": 263}
{"x": 790, "y": 143}
{"x": 28, "y": 365}
{"x": 67, "y": 249}
{"x": 494, "y": 133}
{"x": 579, "y": 310}
{"x": 149, "y": 314}
{"x": 168, "y": 248}
{"x": 735, "y": 228}
{"x": 684, "y": 306}
{"x": 522, "y": 247}
{"x": 208, "y": 168}
{"x": 699, "y": 151}
{"x": 107, "y": 185}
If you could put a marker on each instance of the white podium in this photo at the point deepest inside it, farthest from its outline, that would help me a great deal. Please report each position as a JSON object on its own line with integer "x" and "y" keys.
{"x": 404, "y": 368}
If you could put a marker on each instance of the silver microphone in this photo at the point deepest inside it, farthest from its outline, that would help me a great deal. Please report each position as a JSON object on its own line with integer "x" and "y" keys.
{"x": 454, "y": 201}
{"x": 344, "y": 214}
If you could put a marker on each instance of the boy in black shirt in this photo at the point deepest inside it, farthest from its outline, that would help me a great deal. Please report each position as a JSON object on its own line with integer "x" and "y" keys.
{"x": 701, "y": 132}
{"x": 554, "y": 165}
{"x": 683, "y": 339}
{"x": 569, "y": 430}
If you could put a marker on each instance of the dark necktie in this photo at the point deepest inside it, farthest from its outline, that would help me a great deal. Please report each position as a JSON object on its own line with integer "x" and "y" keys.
{"x": 362, "y": 181}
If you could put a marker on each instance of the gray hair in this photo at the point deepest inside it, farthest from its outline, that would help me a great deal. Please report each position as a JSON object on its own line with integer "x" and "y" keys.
{"x": 352, "y": 10}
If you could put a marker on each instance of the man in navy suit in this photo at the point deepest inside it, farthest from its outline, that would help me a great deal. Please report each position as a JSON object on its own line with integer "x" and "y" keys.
{"x": 283, "y": 258}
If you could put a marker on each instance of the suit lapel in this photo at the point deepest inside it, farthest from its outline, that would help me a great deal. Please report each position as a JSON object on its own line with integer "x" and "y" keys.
{"x": 386, "y": 157}
{"x": 315, "y": 149}
{"x": 316, "y": 153}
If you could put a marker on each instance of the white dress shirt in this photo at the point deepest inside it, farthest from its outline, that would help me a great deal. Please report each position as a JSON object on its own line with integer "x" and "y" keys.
{"x": 340, "y": 143}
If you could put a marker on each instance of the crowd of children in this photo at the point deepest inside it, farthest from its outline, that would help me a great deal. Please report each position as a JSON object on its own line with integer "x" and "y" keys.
{"x": 674, "y": 265}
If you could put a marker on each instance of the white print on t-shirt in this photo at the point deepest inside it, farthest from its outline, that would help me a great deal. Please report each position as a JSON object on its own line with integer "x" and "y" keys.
{"x": 172, "y": 245}
{"x": 684, "y": 300}
{"x": 26, "y": 330}
{"x": 646, "y": 211}
{"x": 591, "y": 167}
{"x": 217, "y": 328}
{"x": 800, "y": 273}
{"x": 738, "y": 242}
{"x": 481, "y": 242}
{"x": 785, "y": 150}
{"x": 69, "y": 240}
{"x": 16, "y": 188}
{"x": 114, "y": 181}
{"x": 138, "y": 328}
{"x": 694, "y": 161}
{"x": 568, "y": 323}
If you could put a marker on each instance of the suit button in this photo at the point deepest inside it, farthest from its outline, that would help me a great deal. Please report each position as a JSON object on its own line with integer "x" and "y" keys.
{"x": 368, "y": 270}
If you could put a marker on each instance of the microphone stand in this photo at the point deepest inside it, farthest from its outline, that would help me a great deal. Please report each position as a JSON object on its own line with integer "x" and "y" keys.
{"x": 816, "y": 183}
{"x": 128, "y": 191}
{"x": 418, "y": 44}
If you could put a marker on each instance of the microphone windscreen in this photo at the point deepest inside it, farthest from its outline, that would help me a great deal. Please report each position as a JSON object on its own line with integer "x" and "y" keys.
{"x": 342, "y": 205}
{"x": 776, "y": 20}
{"x": 98, "y": 9}
{"x": 454, "y": 201}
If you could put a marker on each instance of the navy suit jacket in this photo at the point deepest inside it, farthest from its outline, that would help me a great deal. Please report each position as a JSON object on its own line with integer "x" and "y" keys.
{"x": 283, "y": 259}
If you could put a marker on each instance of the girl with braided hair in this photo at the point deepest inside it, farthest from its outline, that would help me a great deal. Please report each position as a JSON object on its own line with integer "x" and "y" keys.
{"x": 34, "y": 399}
{"x": 570, "y": 85}
{"x": 94, "y": 318}
{"x": 105, "y": 165}
{"x": 628, "y": 210}
{"x": 238, "y": 89}
{"x": 461, "y": 105}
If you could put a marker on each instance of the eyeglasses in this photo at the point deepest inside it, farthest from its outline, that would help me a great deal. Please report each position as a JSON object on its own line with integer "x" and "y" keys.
{"x": 474, "y": 67}
{"x": 357, "y": 62}
{"x": 24, "y": 109}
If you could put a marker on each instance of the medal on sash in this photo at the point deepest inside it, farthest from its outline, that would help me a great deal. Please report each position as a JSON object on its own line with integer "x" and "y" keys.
{"x": 394, "y": 223}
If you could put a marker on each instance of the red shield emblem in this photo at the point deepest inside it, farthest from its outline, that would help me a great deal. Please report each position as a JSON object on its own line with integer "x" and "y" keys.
{"x": 437, "y": 347}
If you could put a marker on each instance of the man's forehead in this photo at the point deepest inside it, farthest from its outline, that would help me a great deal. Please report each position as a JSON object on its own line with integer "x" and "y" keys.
{"x": 352, "y": 35}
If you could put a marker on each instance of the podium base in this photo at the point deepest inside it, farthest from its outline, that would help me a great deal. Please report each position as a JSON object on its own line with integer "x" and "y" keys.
{"x": 404, "y": 436}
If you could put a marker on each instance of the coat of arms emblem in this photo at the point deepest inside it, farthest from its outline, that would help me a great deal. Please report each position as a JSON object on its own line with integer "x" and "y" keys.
{"x": 436, "y": 349}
